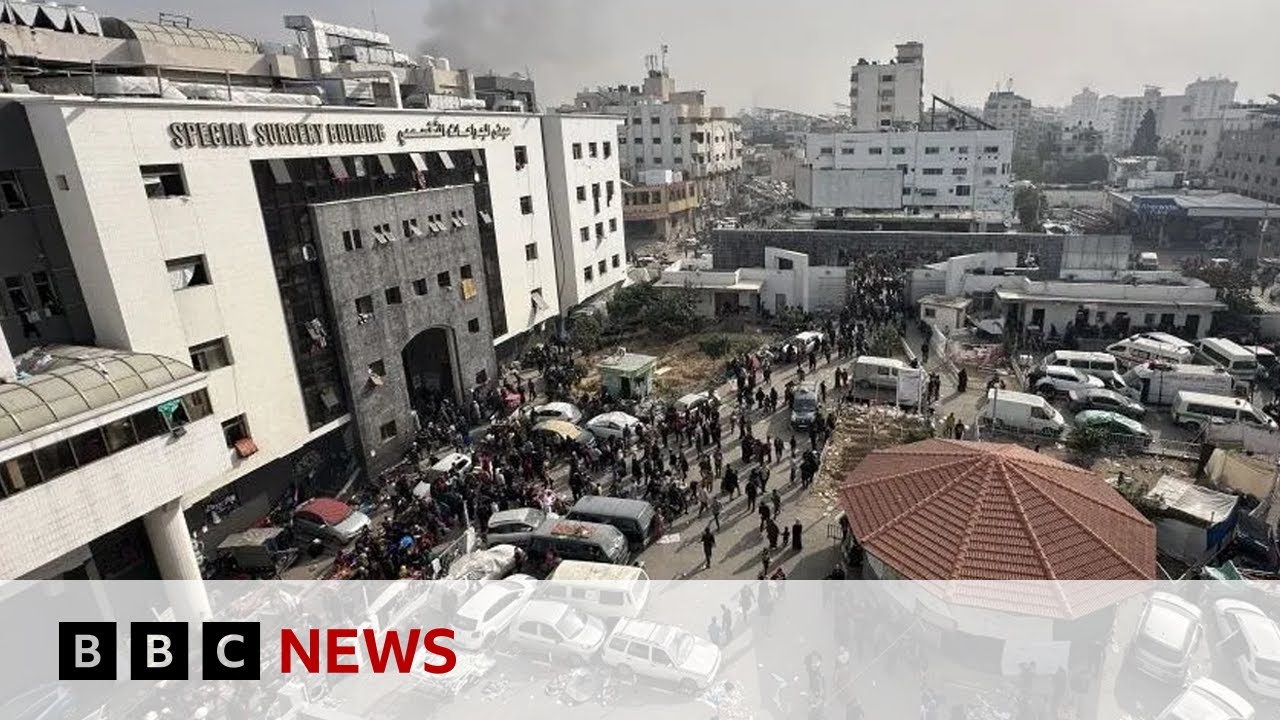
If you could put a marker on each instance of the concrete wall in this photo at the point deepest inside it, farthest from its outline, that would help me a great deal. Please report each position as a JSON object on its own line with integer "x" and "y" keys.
{"x": 746, "y": 247}
{"x": 867, "y": 189}
{"x": 376, "y": 267}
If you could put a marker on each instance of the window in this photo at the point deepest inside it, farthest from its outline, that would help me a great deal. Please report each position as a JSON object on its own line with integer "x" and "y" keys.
{"x": 351, "y": 240}
{"x": 443, "y": 279}
{"x": 55, "y": 459}
{"x": 636, "y": 121}
{"x": 886, "y": 78}
{"x": 875, "y": 151}
{"x": 899, "y": 151}
{"x": 585, "y": 234}
{"x": 187, "y": 272}
{"x": 387, "y": 431}
{"x": 526, "y": 205}
{"x": 959, "y": 171}
{"x": 886, "y": 108}
{"x": 826, "y": 151}
{"x": 593, "y": 150}
{"x": 464, "y": 272}
{"x": 522, "y": 157}
{"x": 473, "y": 325}
{"x": 63, "y": 184}
{"x": 932, "y": 171}
{"x": 11, "y": 195}
{"x": 931, "y": 150}
{"x": 930, "y": 312}
{"x": 587, "y": 274}
{"x": 990, "y": 170}
{"x": 599, "y": 231}
{"x": 411, "y": 229}
{"x": 616, "y": 261}
{"x": 582, "y": 193}
{"x": 235, "y": 429}
{"x": 364, "y": 308}
{"x": 963, "y": 190}
{"x": 991, "y": 149}
{"x": 420, "y": 286}
{"x": 613, "y": 224}
{"x": 577, "y": 151}
{"x": 963, "y": 150}
{"x": 927, "y": 192}
{"x": 657, "y": 141}
{"x": 847, "y": 151}
{"x": 602, "y": 268}
{"x": 638, "y": 141}
{"x": 903, "y": 168}
{"x": 786, "y": 264}
{"x": 209, "y": 356}
{"x": 161, "y": 181}
{"x": 531, "y": 251}
{"x": 608, "y": 186}
{"x": 393, "y": 295}
{"x": 482, "y": 377}
{"x": 655, "y": 119}
{"x": 608, "y": 149}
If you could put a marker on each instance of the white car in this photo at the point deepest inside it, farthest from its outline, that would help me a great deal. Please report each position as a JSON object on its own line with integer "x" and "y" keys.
{"x": 1060, "y": 380}
{"x": 1207, "y": 699}
{"x": 611, "y": 424}
{"x": 1252, "y": 643}
{"x": 1168, "y": 633}
{"x": 693, "y": 401}
{"x": 547, "y": 627}
{"x": 806, "y": 342}
{"x": 567, "y": 412}
{"x": 454, "y": 462}
{"x": 662, "y": 652}
{"x": 486, "y": 614}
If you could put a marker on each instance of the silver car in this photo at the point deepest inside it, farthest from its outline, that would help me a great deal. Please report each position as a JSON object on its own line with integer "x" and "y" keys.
{"x": 329, "y": 520}
{"x": 513, "y": 527}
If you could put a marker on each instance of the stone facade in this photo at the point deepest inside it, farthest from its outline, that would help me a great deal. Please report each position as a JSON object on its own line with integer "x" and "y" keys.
{"x": 414, "y": 266}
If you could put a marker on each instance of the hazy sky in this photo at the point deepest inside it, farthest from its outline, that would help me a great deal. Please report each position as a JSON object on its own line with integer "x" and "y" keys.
{"x": 796, "y": 53}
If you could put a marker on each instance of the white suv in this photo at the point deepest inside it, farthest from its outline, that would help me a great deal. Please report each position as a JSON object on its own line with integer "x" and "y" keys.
{"x": 1060, "y": 380}
{"x": 1168, "y": 633}
{"x": 1253, "y": 644}
{"x": 662, "y": 652}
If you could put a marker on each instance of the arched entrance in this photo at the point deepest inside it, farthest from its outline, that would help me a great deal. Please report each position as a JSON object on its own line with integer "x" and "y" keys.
{"x": 431, "y": 370}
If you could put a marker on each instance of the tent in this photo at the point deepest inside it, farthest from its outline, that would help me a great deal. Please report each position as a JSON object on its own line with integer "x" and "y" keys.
{"x": 1195, "y": 522}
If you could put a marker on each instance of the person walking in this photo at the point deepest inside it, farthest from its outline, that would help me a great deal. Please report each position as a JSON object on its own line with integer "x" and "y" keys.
{"x": 962, "y": 380}
{"x": 771, "y": 531}
{"x": 715, "y": 511}
{"x": 752, "y": 492}
{"x": 708, "y": 544}
{"x": 796, "y": 528}
{"x": 764, "y": 516}
{"x": 776, "y": 500}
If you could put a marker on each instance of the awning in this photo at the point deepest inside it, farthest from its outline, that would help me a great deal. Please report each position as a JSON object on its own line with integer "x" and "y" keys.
{"x": 539, "y": 304}
{"x": 338, "y": 169}
{"x": 477, "y": 157}
{"x": 388, "y": 167}
{"x": 279, "y": 171}
{"x": 445, "y": 159}
{"x": 246, "y": 447}
{"x": 419, "y": 163}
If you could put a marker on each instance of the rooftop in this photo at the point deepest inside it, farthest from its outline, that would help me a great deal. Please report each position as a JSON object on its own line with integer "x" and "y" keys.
{"x": 952, "y": 510}
{"x": 59, "y": 382}
{"x": 1198, "y": 203}
{"x": 627, "y": 362}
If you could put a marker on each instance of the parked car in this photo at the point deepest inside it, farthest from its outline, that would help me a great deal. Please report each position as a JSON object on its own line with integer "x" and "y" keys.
{"x": 1103, "y": 399}
{"x": 329, "y": 520}
{"x": 564, "y": 432}
{"x": 1168, "y": 632}
{"x": 805, "y": 342}
{"x": 1251, "y": 641}
{"x": 488, "y": 613}
{"x": 1060, "y": 380}
{"x": 662, "y": 652}
{"x": 553, "y": 628}
{"x": 1122, "y": 430}
{"x": 454, "y": 462}
{"x": 1207, "y": 699}
{"x": 567, "y": 412}
{"x": 513, "y": 527}
{"x": 693, "y": 401}
{"x": 611, "y": 424}
{"x": 804, "y": 405}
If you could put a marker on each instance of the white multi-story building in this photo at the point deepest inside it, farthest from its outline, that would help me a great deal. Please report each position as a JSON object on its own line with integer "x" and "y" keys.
{"x": 883, "y": 96}
{"x": 590, "y": 252}
{"x": 1210, "y": 97}
{"x": 1083, "y": 110}
{"x": 1008, "y": 110}
{"x": 280, "y": 290}
{"x": 956, "y": 171}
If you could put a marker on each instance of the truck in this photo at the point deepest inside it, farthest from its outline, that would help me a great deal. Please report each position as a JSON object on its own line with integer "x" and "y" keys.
{"x": 1159, "y": 383}
{"x": 1020, "y": 412}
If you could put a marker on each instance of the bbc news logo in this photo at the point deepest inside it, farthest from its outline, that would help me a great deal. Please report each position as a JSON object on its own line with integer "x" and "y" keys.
{"x": 233, "y": 651}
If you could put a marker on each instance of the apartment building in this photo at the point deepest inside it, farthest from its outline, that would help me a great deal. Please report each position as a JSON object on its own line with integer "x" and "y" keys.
{"x": 1008, "y": 110}
{"x": 297, "y": 275}
{"x": 916, "y": 171}
{"x": 1248, "y": 162}
{"x": 888, "y": 95}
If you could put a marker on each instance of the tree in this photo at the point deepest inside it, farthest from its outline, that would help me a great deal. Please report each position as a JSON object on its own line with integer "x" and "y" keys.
{"x": 1029, "y": 203}
{"x": 1090, "y": 169}
{"x": 1145, "y": 141}
{"x": 585, "y": 330}
{"x": 672, "y": 314}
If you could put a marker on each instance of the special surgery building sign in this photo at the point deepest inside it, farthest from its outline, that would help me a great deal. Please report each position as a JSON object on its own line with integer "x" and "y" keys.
{"x": 232, "y": 134}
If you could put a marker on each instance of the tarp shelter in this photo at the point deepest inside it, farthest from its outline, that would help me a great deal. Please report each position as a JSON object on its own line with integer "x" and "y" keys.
{"x": 628, "y": 375}
{"x": 1196, "y": 521}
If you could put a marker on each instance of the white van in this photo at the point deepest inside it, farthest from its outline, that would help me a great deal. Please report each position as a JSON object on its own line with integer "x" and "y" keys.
{"x": 599, "y": 589}
{"x": 1139, "y": 349}
{"x": 1195, "y": 410}
{"x": 1009, "y": 410}
{"x": 870, "y": 371}
{"x": 1148, "y": 261}
{"x": 1159, "y": 384}
{"x": 1097, "y": 364}
{"x": 1223, "y": 353}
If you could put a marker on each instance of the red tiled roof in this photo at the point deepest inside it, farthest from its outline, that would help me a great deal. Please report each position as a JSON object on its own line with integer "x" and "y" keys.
{"x": 952, "y": 510}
